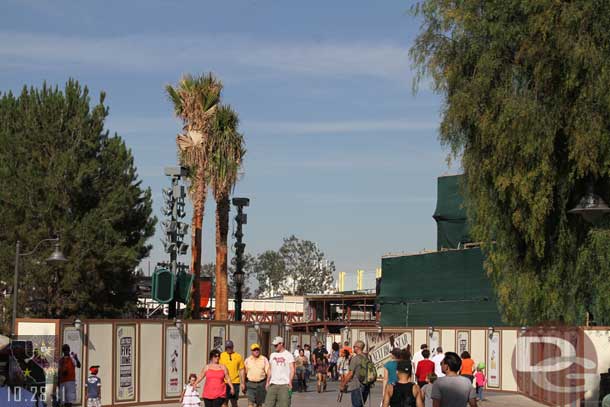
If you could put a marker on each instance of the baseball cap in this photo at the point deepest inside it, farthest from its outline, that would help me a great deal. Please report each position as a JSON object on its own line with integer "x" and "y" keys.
{"x": 277, "y": 339}
{"x": 255, "y": 346}
{"x": 229, "y": 344}
{"x": 94, "y": 369}
{"x": 404, "y": 366}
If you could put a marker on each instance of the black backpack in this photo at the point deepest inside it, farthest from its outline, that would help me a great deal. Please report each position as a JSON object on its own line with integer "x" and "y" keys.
{"x": 402, "y": 396}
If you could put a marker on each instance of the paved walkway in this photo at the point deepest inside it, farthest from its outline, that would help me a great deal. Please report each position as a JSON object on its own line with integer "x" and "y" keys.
{"x": 312, "y": 399}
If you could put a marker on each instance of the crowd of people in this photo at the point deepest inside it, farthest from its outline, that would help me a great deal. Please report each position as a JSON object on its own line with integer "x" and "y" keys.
{"x": 421, "y": 380}
{"x": 426, "y": 380}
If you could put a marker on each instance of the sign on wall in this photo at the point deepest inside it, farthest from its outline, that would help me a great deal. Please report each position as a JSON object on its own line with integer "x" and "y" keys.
{"x": 463, "y": 342}
{"x": 434, "y": 341}
{"x": 72, "y": 337}
{"x": 252, "y": 338}
{"x": 493, "y": 360}
{"x": 380, "y": 346}
{"x": 125, "y": 367}
{"x": 173, "y": 362}
{"x": 218, "y": 337}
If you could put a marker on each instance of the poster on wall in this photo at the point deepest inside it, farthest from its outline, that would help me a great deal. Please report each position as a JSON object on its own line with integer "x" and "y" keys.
{"x": 463, "y": 342}
{"x": 72, "y": 337}
{"x": 294, "y": 342}
{"x": 218, "y": 337}
{"x": 493, "y": 360}
{"x": 252, "y": 338}
{"x": 125, "y": 367}
{"x": 380, "y": 345}
{"x": 173, "y": 362}
{"x": 434, "y": 341}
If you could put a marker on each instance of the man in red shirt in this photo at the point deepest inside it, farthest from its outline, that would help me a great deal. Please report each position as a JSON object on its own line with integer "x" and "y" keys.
{"x": 424, "y": 367}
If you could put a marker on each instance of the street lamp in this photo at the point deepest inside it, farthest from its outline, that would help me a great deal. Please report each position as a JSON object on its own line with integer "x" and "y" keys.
{"x": 591, "y": 206}
{"x": 56, "y": 257}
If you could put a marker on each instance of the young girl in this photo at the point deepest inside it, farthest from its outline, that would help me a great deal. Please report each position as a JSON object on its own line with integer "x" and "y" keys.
{"x": 479, "y": 376}
{"x": 321, "y": 371}
{"x": 190, "y": 395}
{"x": 426, "y": 391}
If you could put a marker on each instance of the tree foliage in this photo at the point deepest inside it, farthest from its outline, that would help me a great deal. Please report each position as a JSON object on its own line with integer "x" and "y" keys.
{"x": 527, "y": 108}
{"x": 61, "y": 172}
{"x": 299, "y": 267}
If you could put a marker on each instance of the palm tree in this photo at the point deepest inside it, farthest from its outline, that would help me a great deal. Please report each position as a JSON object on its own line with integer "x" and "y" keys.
{"x": 226, "y": 155}
{"x": 195, "y": 101}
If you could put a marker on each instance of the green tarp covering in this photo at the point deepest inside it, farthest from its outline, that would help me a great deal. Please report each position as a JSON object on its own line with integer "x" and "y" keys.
{"x": 448, "y": 288}
{"x": 450, "y": 215}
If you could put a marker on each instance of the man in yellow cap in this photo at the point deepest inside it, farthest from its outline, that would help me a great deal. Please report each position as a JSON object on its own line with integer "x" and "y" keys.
{"x": 257, "y": 369}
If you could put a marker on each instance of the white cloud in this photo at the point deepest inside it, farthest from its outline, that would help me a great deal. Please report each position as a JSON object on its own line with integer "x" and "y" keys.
{"x": 151, "y": 53}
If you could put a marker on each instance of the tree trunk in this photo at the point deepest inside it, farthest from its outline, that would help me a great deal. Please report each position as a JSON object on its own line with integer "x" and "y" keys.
{"x": 196, "y": 243}
{"x": 222, "y": 232}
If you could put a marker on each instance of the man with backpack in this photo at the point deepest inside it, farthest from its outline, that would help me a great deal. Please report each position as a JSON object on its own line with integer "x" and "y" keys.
{"x": 360, "y": 376}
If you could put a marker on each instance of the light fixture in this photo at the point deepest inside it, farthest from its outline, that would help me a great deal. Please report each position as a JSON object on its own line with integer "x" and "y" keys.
{"x": 78, "y": 324}
{"x": 491, "y": 331}
{"x": 179, "y": 324}
{"x": 239, "y": 277}
{"x": 523, "y": 330}
{"x": 288, "y": 327}
{"x": 257, "y": 325}
{"x": 591, "y": 206}
{"x": 431, "y": 331}
{"x": 57, "y": 256}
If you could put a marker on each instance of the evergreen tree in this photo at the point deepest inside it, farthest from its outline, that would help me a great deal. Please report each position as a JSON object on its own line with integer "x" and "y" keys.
{"x": 62, "y": 173}
{"x": 525, "y": 88}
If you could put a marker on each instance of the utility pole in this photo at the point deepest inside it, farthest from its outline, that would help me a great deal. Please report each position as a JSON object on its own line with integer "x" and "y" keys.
{"x": 238, "y": 276}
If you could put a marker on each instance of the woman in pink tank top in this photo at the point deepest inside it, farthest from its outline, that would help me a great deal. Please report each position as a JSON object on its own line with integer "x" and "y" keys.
{"x": 216, "y": 379}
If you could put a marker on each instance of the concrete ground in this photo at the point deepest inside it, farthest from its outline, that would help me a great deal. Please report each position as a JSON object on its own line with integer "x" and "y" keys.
{"x": 313, "y": 399}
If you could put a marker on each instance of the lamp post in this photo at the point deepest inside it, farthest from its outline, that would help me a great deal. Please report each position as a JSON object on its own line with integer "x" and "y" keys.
{"x": 591, "y": 207}
{"x": 238, "y": 276}
{"x": 56, "y": 257}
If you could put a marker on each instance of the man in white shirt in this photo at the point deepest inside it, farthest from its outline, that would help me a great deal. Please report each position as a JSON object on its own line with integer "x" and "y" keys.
{"x": 418, "y": 356}
{"x": 437, "y": 359}
{"x": 279, "y": 381}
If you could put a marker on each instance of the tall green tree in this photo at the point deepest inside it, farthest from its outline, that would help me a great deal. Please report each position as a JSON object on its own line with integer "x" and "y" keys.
{"x": 195, "y": 101}
{"x": 299, "y": 267}
{"x": 226, "y": 154}
{"x": 526, "y": 109}
{"x": 61, "y": 172}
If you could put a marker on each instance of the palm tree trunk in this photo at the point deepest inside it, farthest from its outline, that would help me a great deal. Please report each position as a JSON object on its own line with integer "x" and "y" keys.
{"x": 222, "y": 232}
{"x": 196, "y": 243}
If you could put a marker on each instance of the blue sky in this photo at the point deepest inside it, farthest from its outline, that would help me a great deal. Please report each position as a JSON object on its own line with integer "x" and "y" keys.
{"x": 340, "y": 151}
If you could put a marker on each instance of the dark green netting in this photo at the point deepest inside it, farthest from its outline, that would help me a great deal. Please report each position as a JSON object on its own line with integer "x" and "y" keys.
{"x": 450, "y": 214}
{"x": 448, "y": 288}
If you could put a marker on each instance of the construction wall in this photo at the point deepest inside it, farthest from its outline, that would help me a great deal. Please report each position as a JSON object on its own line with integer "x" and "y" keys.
{"x": 499, "y": 348}
{"x": 144, "y": 361}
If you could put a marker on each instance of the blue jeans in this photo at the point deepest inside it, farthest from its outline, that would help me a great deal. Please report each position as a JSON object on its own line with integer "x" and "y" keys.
{"x": 480, "y": 392}
{"x": 360, "y": 395}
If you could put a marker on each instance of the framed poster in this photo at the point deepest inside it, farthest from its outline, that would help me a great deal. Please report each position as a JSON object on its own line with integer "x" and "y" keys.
{"x": 73, "y": 338}
{"x": 173, "y": 362}
{"x": 462, "y": 342}
{"x": 125, "y": 366}
{"x": 218, "y": 337}
{"x": 251, "y": 338}
{"x": 434, "y": 341}
{"x": 493, "y": 360}
{"x": 294, "y": 342}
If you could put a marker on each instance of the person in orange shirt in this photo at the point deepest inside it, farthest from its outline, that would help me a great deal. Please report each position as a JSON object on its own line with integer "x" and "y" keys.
{"x": 467, "y": 369}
